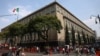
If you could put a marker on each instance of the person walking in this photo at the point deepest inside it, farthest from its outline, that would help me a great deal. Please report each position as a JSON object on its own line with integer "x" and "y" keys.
{"x": 23, "y": 53}
{"x": 10, "y": 53}
{"x": 77, "y": 51}
{"x": 93, "y": 51}
{"x": 67, "y": 49}
{"x": 18, "y": 51}
{"x": 37, "y": 49}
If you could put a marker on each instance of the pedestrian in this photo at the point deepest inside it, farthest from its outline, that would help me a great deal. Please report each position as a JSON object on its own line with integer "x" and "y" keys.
{"x": 57, "y": 49}
{"x": 10, "y": 53}
{"x": 87, "y": 51}
{"x": 38, "y": 49}
{"x": 13, "y": 49}
{"x": 77, "y": 51}
{"x": 80, "y": 50}
{"x": 93, "y": 50}
{"x": 23, "y": 53}
{"x": 18, "y": 51}
{"x": 63, "y": 50}
{"x": 67, "y": 49}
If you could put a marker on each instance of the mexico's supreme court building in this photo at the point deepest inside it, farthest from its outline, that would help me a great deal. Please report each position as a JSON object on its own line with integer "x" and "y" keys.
{"x": 74, "y": 31}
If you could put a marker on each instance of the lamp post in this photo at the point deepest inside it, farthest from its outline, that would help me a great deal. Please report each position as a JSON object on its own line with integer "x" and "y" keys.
{"x": 97, "y": 18}
{"x": 97, "y": 21}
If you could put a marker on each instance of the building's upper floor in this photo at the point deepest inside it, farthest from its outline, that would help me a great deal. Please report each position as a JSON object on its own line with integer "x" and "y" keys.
{"x": 52, "y": 9}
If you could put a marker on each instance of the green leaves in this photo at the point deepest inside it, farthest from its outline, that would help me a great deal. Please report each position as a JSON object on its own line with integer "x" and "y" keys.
{"x": 14, "y": 29}
{"x": 41, "y": 23}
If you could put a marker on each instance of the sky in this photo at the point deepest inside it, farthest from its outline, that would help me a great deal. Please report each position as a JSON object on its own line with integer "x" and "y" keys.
{"x": 82, "y": 9}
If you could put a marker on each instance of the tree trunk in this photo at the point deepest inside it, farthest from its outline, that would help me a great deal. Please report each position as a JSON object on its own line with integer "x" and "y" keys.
{"x": 39, "y": 36}
{"x": 21, "y": 37}
{"x": 6, "y": 39}
{"x": 47, "y": 41}
{"x": 30, "y": 39}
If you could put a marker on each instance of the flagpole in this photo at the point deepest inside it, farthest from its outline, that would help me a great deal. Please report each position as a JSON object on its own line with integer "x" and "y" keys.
{"x": 17, "y": 12}
{"x": 17, "y": 15}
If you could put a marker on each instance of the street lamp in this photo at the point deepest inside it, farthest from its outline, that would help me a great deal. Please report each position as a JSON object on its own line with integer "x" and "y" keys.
{"x": 97, "y": 18}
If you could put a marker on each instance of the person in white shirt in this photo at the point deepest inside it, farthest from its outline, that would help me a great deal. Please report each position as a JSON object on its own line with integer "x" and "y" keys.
{"x": 23, "y": 53}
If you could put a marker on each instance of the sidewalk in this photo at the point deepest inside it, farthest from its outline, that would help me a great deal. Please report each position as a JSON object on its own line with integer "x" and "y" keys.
{"x": 33, "y": 54}
{"x": 39, "y": 54}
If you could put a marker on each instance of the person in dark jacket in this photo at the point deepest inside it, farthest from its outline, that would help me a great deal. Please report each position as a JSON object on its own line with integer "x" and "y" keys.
{"x": 18, "y": 51}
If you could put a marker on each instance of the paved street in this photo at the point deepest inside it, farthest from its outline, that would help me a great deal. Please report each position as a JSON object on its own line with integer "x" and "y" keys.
{"x": 39, "y": 54}
{"x": 3, "y": 51}
{"x": 30, "y": 54}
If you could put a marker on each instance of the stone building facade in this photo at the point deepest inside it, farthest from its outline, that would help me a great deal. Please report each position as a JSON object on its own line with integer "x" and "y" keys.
{"x": 74, "y": 31}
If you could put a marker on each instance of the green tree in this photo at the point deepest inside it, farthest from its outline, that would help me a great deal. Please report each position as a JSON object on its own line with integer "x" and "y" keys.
{"x": 5, "y": 34}
{"x": 73, "y": 37}
{"x": 87, "y": 39}
{"x": 14, "y": 30}
{"x": 79, "y": 39}
{"x": 0, "y": 35}
{"x": 42, "y": 24}
{"x": 22, "y": 30}
{"x": 67, "y": 39}
{"x": 94, "y": 40}
{"x": 84, "y": 38}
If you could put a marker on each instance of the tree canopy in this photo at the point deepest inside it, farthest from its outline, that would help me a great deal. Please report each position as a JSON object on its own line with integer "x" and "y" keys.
{"x": 41, "y": 24}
